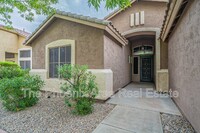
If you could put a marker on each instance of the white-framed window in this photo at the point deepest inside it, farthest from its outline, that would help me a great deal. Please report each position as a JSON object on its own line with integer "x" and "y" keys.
{"x": 25, "y": 58}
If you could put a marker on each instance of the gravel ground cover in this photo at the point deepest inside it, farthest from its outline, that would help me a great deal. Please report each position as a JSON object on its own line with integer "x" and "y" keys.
{"x": 175, "y": 124}
{"x": 51, "y": 115}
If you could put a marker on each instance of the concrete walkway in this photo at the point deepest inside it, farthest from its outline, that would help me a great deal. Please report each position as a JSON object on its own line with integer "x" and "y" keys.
{"x": 1, "y": 131}
{"x": 137, "y": 110}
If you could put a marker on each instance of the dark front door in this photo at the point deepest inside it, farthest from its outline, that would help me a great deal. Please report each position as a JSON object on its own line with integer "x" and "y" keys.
{"x": 146, "y": 69}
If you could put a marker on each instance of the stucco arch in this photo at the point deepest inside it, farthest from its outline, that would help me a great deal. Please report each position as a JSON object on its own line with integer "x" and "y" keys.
{"x": 142, "y": 31}
{"x": 149, "y": 31}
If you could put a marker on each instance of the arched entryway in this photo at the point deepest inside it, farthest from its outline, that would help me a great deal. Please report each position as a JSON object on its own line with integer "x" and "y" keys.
{"x": 145, "y": 48}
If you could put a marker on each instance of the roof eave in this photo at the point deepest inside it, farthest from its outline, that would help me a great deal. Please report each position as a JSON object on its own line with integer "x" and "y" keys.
{"x": 14, "y": 32}
{"x": 82, "y": 20}
{"x": 120, "y": 38}
{"x": 173, "y": 15}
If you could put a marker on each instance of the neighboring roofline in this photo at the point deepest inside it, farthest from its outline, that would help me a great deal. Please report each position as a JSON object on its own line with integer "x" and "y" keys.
{"x": 12, "y": 31}
{"x": 117, "y": 11}
{"x": 93, "y": 22}
{"x": 174, "y": 12}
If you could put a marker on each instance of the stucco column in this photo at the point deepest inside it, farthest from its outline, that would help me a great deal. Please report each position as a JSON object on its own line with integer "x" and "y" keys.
{"x": 157, "y": 58}
{"x": 157, "y": 54}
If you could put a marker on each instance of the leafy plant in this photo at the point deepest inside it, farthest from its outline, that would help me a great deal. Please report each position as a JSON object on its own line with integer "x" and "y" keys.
{"x": 80, "y": 88}
{"x": 20, "y": 92}
{"x": 17, "y": 88}
{"x": 10, "y": 70}
{"x": 8, "y": 64}
{"x": 84, "y": 106}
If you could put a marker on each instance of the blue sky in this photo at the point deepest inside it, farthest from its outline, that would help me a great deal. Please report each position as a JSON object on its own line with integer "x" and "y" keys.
{"x": 74, "y": 6}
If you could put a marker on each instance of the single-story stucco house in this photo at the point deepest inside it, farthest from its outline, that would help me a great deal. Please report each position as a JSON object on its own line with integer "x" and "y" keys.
{"x": 151, "y": 41}
{"x": 122, "y": 48}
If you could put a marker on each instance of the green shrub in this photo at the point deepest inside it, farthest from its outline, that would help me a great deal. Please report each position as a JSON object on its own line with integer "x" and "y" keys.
{"x": 11, "y": 70}
{"x": 80, "y": 88}
{"x": 17, "y": 88}
{"x": 84, "y": 106}
{"x": 8, "y": 64}
{"x": 20, "y": 92}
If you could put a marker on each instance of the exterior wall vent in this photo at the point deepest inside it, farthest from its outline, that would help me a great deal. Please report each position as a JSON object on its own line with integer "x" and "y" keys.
{"x": 142, "y": 17}
{"x": 137, "y": 19}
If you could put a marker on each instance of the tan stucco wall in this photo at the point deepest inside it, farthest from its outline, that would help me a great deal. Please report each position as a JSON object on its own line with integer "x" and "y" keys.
{"x": 10, "y": 42}
{"x": 154, "y": 15}
{"x": 163, "y": 80}
{"x": 184, "y": 64}
{"x": 88, "y": 43}
{"x": 104, "y": 80}
{"x": 163, "y": 55}
{"x": 116, "y": 58}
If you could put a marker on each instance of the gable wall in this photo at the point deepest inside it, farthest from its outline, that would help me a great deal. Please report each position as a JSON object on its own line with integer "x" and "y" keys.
{"x": 154, "y": 15}
{"x": 88, "y": 43}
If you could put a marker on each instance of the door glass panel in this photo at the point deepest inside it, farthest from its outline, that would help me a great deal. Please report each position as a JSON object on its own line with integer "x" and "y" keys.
{"x": 146, "y": 69}
{"x": 135, "y": 65}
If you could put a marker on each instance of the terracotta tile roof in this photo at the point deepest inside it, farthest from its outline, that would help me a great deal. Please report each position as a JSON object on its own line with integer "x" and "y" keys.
{"x": 18, "y": 31}
{"x": 81, "y": 17}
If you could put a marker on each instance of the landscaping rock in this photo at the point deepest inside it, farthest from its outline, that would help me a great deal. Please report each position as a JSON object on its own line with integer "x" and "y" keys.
{"x": 51, "y": 115}
{"x": 175, "y": 124}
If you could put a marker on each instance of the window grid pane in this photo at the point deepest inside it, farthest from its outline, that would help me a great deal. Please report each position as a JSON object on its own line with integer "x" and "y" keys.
{"x": 25, "y": 53}
{"x": 58, "y": 57}
{"x": 25, "y": 64}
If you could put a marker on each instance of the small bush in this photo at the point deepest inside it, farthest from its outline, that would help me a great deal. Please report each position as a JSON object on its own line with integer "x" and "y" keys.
{"x": 80, "y": 86}
{"x": 11, "y": 70}
{"x": 8, "y": 64}
{"x": 84, "y": 106}
{"x": 17, "y": 88}
{"x": 20, "y": 92}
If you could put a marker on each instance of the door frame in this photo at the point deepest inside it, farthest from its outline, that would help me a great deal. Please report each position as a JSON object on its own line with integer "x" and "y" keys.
{"x": 152, "y": 67}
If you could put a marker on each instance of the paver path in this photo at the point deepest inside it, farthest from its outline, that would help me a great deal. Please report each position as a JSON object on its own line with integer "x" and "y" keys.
{"x": 137, "y": 111}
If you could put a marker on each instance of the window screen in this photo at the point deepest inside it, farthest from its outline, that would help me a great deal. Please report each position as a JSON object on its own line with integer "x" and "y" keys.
{"x": 136, "y": 65}
{"x": 10, "y": 55}
{"x": 25, "y": 53}
{"x": 57, "y": 57}
{"x": 25, "y": 64}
